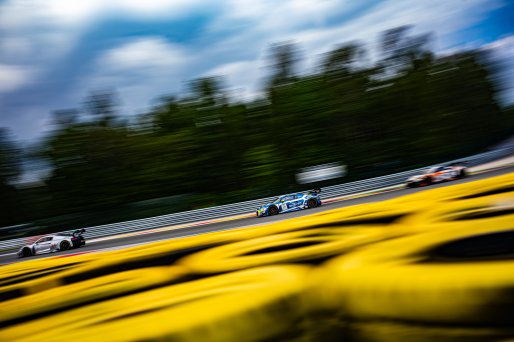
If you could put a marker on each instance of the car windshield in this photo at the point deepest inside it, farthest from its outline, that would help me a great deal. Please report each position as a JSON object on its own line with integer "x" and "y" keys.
{"x": 44, "y": 239}
{"x": 278, "y": 199}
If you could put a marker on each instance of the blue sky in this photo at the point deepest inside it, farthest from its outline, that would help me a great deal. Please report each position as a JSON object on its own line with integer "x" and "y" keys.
{"x": 53, "y": 52}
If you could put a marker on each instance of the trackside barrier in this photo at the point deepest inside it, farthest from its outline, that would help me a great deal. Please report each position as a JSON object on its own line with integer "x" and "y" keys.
{"x": 252, "y": 305}
{"x": 250, "y": 206}
{"x": 433, "y": 265}
{"x": 455, "y": 270}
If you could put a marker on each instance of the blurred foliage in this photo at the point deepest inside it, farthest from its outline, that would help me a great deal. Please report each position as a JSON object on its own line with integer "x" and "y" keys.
{"x": 411, "y": 108}
{"x": 9, "y": 171}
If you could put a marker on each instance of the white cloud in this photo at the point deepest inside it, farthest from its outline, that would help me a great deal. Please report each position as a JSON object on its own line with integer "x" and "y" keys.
{"x": 13, "y": 77}
{"x": 441, "y": 17}
{"x": 242, "y": 76}
{"x": 54, "y": 27}
{"x": 14, "y": 47}
{"x": 22, "y": 13}
{"x": 502, "y": 50}
{"x": 148, "y": 52}
{"x": 260, "y": 23}
{"x": 286, "y": 13}
{"x": 139, "y": 70}
{"x": 503, "y": 47}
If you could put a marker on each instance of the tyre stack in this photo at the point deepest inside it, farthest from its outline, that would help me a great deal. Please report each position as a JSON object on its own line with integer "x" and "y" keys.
{"x": 435, "y": 265}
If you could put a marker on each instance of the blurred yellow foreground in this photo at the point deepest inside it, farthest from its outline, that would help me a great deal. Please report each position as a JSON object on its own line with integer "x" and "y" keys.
{"x": 433, "y": 266}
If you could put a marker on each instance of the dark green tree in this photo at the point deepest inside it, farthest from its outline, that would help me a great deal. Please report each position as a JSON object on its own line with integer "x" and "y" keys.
{"x": 9, "y": 172}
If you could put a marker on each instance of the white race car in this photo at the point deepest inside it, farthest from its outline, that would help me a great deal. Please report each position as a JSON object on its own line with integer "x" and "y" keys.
{"x": 437, "y": 174}
{"x": 54, "y": 243}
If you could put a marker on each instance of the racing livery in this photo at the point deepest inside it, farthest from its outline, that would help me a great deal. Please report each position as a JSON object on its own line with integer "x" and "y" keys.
{"x": 53, "y": 243}
{"x": 291, "y": 202}
{"x": 437, "y": 174}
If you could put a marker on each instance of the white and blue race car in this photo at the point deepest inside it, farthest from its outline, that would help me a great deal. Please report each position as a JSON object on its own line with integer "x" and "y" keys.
{"x": 291, "y": 202}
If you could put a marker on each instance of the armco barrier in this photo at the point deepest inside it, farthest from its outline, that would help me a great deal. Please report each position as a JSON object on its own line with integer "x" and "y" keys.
{"x": 250, "y": 206}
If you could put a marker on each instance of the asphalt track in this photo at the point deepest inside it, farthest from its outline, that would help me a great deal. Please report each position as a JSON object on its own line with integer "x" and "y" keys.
{"x": 251, "y": 221}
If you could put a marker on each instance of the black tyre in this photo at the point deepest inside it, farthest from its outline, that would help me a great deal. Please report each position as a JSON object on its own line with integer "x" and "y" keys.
{"x": 462, "y": 174}
{"x": 425, "y": 182}
{"x": 26, "y": 252}
{"x": 65, "y": 245}
{"x": 312, "y": 203}
{"x": 273, "y": 210}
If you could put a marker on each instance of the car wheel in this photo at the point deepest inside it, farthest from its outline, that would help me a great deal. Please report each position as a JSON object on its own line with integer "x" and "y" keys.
{"x": 312, "y": 203}
{"x": 26, "y": 252}
{"x": 65, "y": 245}
{"x": 273, "y": 210}
{"x": 462, "y": 174}
{"x": 425, "y": 182}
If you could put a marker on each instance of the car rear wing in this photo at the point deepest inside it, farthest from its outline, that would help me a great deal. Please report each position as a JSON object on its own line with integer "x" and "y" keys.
{"x": 78, "y": 232}
{"x": 314, "y": 191}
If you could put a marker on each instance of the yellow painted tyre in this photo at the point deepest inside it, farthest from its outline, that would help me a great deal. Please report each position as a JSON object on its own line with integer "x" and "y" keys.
{"x": 377, "y": 214}
{"x": 30, "y": 269}
{"x": 33, "y": 276}
{"x": 252, "y": 305}
{"x": 86, "y": 292}
{"x": 310, "y": 245}
{"x": 27, "y": 277}
{"x": 461, "y": 276}
{"x": 400, "y": 332}
{"x": 491, "y": 211}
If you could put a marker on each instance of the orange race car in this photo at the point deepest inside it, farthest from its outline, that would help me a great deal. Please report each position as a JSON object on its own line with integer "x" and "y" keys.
{"x": 437, "y": 174}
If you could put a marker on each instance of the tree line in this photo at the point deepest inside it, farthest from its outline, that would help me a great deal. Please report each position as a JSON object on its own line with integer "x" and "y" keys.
{"x": 409, "y": 108}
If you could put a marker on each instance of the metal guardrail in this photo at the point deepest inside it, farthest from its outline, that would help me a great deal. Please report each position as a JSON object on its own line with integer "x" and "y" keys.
{"x": 250, "y": 206}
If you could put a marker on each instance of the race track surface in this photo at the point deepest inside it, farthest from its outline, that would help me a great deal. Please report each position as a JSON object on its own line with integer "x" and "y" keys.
{"x": 182, "y": 232}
